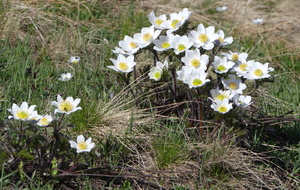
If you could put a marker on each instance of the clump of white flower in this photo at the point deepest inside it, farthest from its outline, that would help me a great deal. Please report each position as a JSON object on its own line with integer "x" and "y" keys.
{"x": 198, "y": 59}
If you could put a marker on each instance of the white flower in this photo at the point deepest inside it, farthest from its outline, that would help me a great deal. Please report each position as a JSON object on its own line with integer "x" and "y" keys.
{"x": 66, "y": 106}
{"x": 123, "y": 64}
{"x": 234, "y": 84}
{"x": 74, "y": 59}
{"x": 181, "y": 43}
{"x": 220, "y": 94}
{"x": 236, "y": 57}
{"x": 258, "y": 21}
{"x": 65, "y": 77}
{"x": 242, "y": 68}
{"x": 82, "y": 145}
{"x": 176, "y": 20}
{"x": 194, "y": 59}
{"x": 221, "y": 9}
{"x": 183, "y": 73}
{"x": 242, "y": 101}
{"x": 147, "y": 35}
{"x": 203, "y": 37}
{"x": 45, "y": 120}
{"x": 34, "y": 117}
{"x": 221, "y": 106}
{"x": 196, "y": 79}
{"x": 185, "y": 14}
{"x": 128, "y": 45}
{"x": 258, "y": 71}
{"x": 221, "y": 65}
{"x": 164, "y": 65}
{"x": 118, "y": 50}
{"x": 157, "y": 21}
{"x": 155, "y": 73}
{"x": 163, "y": 42}
{"x": 23, "y": 112}
{"x": 221, "y": 37}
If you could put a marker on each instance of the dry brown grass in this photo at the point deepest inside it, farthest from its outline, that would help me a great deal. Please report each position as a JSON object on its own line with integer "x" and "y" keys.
{"x": 56, "y": 34}
{"x": 281, "y": 17}
{"x": 211, "y": 164}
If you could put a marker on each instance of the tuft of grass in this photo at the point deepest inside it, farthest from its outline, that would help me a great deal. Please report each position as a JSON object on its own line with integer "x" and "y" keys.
{"x": 169, "y": 150}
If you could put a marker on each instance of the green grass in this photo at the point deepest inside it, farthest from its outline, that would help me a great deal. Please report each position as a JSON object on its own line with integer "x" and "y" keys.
{"x": 33, "y": 55}
{"x": 170, "y": 147}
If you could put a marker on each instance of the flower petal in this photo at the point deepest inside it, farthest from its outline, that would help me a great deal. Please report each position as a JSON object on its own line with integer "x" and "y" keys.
{"x": 80, "y": 138}
{"x": 73, "y": 144}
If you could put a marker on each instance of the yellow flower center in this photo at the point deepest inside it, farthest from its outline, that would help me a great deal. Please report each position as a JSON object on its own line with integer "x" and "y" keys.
{"x": 158, "y": 21}
{"x": 181, "y": 47}
{"x": 22, "y": 114}
{"x": 123, "y": 66}
{"x": 197, "y": 82}
{"x": 157, "y": 75}
{"x": 33, "y": 119}
{"x": 203, "y": 38}
{"x": 147, "y": 37}
{"x": 222, "y": 96}
{"x": 222, "y": 109}
{"x": 174, "y": 22}
{"x": 195, "y": 63}
{"x": 132, "y": 45}
{"x": 82, "y": 145}
{"x": 165, "y": 45}
{"x": 221, "y": 68}
{"x": 44, "y": 121}
{"x": 220, "y": 39}
{"x": 243, "y": 66}
{"x": 258, "y": 72}
{"x": 65, "y": 106}
{"x": 235, "y": 57}
{"x": 232, "y": 85}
